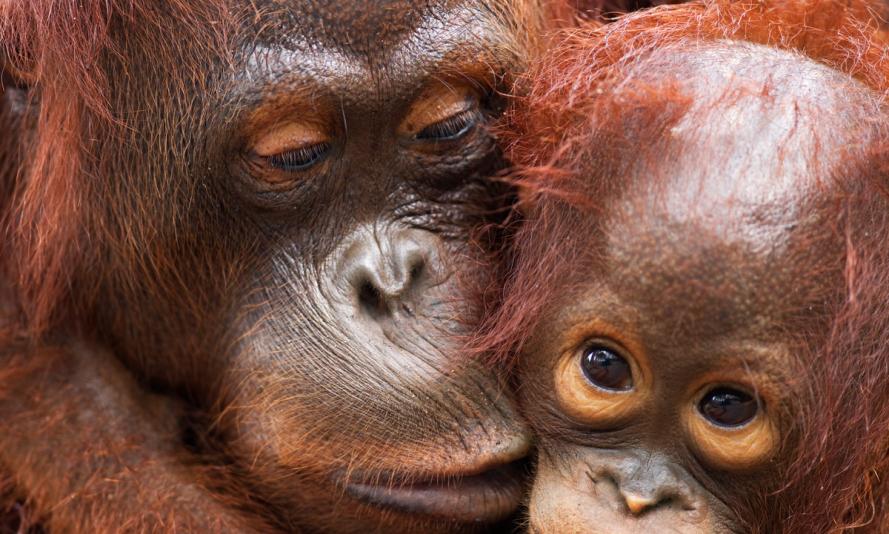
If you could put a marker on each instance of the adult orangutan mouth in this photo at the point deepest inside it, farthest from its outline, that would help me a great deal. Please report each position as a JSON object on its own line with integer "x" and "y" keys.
{"x": 482, "y": 497}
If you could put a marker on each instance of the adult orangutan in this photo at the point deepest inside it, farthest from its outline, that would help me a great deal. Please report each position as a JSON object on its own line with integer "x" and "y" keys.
{"x": 255, "y": 213}
{"x": 698, "y": 291}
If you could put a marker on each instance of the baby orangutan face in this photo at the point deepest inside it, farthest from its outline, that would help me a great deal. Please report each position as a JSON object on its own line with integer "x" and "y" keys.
{"x": 664, "y": 369}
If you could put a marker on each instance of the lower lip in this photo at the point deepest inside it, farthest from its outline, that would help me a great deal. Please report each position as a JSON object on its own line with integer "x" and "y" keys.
{"x": 480, "y": 498}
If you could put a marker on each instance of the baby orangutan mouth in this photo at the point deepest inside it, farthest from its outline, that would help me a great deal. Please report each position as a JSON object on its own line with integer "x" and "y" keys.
{"x": 486, "y": 495}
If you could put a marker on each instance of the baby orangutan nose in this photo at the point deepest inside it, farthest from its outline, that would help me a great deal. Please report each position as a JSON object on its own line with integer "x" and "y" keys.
{"x": 618, "y": 493}
{"x": 642, "y": 485}
{"x": 386, "y": 272}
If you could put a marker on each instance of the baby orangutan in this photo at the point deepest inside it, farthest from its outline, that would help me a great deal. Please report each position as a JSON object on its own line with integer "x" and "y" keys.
{"x": 698, "y": 292}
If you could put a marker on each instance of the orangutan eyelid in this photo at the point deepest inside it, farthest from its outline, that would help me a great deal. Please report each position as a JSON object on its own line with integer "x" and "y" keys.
{"x": 441, "y": 111}
{"x": 290, "y": 137}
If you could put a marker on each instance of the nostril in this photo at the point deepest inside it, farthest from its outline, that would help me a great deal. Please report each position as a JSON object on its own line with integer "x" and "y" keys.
{"x": 386, "y": 275}
{"x": 416, "y": 274}
{"x": 603, "y": 476}
{"x": 371, "y": 300}
{"x": 380, "y": 294}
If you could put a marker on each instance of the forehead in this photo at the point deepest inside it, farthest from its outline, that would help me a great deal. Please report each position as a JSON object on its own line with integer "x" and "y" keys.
{"x": 763, "y": 128}
{"x": 358, "y": 23}
{"x": 368, "y": 29}
{"x": 372, "y": 48}
{"x": 724, "y": 221}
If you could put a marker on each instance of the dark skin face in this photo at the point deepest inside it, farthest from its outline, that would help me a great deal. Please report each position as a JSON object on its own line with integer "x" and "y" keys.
{"x": 343, "y": 162}
{"x": 662, "y": 375}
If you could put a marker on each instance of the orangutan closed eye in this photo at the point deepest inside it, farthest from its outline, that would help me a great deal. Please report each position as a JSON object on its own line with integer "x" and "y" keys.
{"x": 696, "y": 293}
{"x": 257, "y": 213}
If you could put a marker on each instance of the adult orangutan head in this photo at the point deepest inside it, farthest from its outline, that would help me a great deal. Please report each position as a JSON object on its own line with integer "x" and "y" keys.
{"x": 698, "y": 291}
{"x": 263, "y": 206}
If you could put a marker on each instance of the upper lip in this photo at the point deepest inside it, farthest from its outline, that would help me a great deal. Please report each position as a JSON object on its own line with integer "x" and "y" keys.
{"x": 486, "y": 493}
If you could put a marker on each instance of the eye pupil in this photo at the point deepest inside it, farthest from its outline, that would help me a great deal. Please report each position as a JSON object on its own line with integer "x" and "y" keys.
{"x": 451, "y": 128}
{"x": 728, "y": 407}
{"x": 606, "y": 369}
{"x": 299, "y": 159}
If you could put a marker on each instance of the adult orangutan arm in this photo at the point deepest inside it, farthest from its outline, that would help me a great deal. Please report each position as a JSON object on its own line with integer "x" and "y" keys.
{"x": 92, "y": 451}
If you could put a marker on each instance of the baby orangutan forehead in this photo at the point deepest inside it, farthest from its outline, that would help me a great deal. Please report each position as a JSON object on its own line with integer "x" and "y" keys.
{"x": 727, "y": 211}
{"x": 763, "y": 132}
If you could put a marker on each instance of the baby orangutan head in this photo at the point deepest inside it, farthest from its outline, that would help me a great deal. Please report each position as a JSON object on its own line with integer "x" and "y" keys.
{"x": 697, "y": 292}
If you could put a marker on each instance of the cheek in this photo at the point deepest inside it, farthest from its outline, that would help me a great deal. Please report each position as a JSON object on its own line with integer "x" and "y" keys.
{"x": 260, "y": 418}
{"x": 319, "y": 388}
{"x": 296, "y": 403}
{"x": 559, "y": 498}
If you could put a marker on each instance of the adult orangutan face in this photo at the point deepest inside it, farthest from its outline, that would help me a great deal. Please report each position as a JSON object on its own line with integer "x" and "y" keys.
{"x": 330, "y": 175}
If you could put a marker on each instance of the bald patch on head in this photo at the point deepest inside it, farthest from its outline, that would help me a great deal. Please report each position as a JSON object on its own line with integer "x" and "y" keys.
{"x": 763, "y": 126}
{"x": 722, "y": 208}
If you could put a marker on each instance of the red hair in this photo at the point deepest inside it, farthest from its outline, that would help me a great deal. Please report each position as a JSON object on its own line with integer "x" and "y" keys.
{"x": 834, "y": 479}
{"x": 62, "y": 233}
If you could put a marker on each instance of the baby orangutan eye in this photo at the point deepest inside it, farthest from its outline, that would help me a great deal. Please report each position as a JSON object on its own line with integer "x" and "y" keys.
{"x": 729, "y": 407}
{"x": 606, "y": 368}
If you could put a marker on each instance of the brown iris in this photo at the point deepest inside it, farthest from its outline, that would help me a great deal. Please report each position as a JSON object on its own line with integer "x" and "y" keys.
{"x": 729, "y": 407}
{"x": 606, "y": 369}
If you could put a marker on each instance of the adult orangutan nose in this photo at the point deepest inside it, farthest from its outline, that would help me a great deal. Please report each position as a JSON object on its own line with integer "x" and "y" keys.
{"x": 386, "y": 271}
